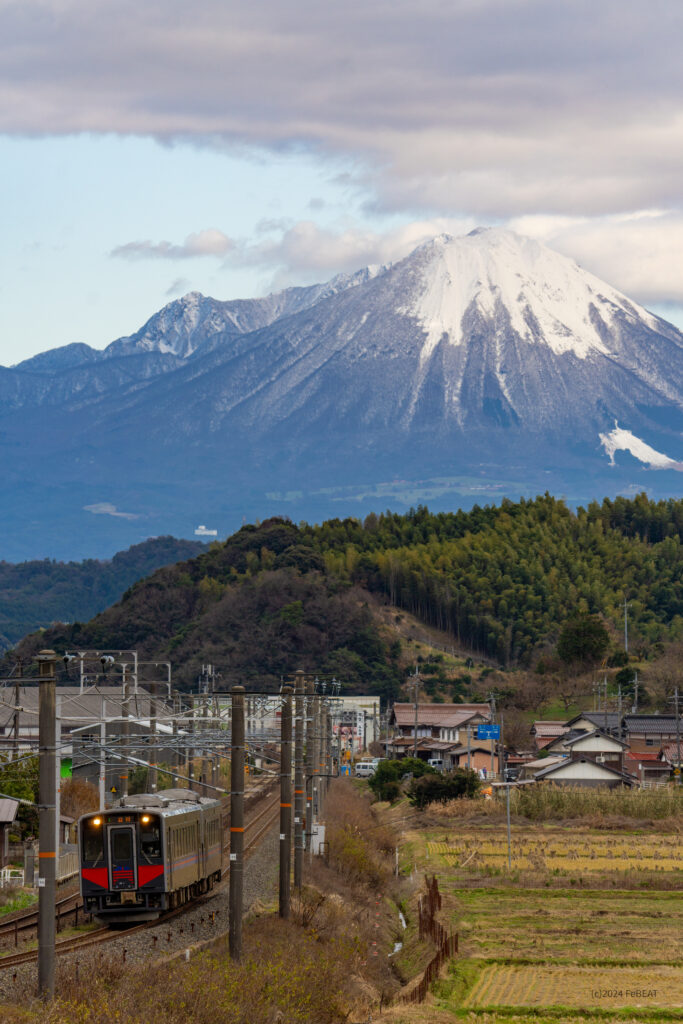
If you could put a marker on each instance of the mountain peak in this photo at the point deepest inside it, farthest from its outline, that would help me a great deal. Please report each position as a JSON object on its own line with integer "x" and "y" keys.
{"x": 508, "y": 281}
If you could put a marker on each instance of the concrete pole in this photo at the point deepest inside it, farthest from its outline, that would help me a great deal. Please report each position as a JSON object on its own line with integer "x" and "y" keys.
{"x": 316, "y": 755}
{"x": 152, "y": 774}
{"x": 47, "y": 857}
{"x": 299, "y": 782}
{"x": 17, "y": 694}
{"x": 58, "y": 772}
{"x": 205, "y": 757}
{"x": 125, "y": 739}
{"x": 190, "y": 750}
{"x": 236, "y": 822}
{"x": 285, "y": 800}
{"x": 309, "y": 761}
{"x": 175, "y": 704}
{"x": 103, "y": 739}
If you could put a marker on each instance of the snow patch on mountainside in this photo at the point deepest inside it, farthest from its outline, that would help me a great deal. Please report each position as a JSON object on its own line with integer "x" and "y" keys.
{"x": 624, "y": 441}
{"x": 547, "y": 297}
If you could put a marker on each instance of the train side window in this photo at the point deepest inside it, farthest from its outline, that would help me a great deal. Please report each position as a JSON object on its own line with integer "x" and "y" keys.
{"x": 150, "y": 839}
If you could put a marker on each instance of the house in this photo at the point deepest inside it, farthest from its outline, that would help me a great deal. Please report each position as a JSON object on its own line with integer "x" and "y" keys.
{"x": 438, "y": 721}
{"x": 598, "y": 746}
{"x": 558, "y": 745}
{"x": 478, "y": 757}
{"x": 545, "y": 732}
{"x": 647, "y": 766}
{"x": 586, "y": 721}
{"x": 673, "y": 753}
{"x": 529, "y": 770}
{"x": 645, "y": 732}
{"x": 80, "y": 712}
{"x": 585, "y": 772}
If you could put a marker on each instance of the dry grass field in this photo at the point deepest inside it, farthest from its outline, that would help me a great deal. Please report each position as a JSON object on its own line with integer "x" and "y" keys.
{"x": 560, "y": 852}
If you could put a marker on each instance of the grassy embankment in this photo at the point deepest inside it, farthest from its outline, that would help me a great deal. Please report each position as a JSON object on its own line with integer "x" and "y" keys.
{"x": 327, "y": 965}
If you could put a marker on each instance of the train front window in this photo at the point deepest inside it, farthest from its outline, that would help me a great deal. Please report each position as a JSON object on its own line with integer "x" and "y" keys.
{"x": 150, "y": 838}
{"x": 93, "y": 841}
{"x": 121, "y": 845}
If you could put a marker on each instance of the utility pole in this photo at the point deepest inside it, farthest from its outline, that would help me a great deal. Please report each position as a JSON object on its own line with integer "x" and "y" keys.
{"x": 174, "y": 725}
{"x": 17, "y": 695}
{"x": 285, "y": 799}
{"x": 152, "y": 773}
{"x": 299, "y": 783}
{"x": 47, "y": 856}
{"x": 416, "y": 683}
{"x": 103, "y": 743}
{"x": 125, "y": 737}
{"x": 309, "y": 761}
{"x": 58, "y": 770}
{"x": 634, "y": 708}
{"x": 678, "y": 737}
{"x": 205, "y": 759}
{"x": 190, "y": 750}
{"x": 322, "y": 749}
{"x": 315, "y": 752}
{"x": 236, "y": 822}
{"x": 492, "y": 704}
{"x": 605, "y": 703}
{"x": 469, "y": 746}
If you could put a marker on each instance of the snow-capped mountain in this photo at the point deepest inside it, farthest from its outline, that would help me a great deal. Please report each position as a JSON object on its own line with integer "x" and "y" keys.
{"x": 479, "y": 366}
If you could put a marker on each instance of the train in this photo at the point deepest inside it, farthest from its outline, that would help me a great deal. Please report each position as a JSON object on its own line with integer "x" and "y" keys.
{"x": 151, "y": 853}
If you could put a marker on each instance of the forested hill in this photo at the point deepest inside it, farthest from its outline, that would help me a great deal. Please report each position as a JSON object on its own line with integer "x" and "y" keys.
{"x": 34, "y": 594}
{"x": 502, "y": 579}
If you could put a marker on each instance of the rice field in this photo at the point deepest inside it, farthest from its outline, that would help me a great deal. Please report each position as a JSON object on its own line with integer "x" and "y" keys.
{"x": 580, "y": 987}
{"x": 558, "y": 852}
{"x": 587, "y": 926}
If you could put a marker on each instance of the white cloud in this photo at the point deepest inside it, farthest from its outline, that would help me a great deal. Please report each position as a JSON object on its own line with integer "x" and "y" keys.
{"x": 209, "y": 242}
{"x": 639, "y": 253}
{"x": 500, "y": 107}
{"x": 105, "y": 508}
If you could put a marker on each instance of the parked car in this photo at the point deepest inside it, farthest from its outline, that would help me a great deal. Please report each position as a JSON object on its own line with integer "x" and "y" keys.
{"x": 365, "y": 769}
{"x": 436, "y": 762}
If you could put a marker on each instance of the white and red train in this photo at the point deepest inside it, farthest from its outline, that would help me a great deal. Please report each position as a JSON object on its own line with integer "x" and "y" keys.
{"x": 152, "y": 853}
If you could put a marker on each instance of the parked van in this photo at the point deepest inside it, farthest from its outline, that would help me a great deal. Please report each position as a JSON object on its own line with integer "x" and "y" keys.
{"x": 364, "y": 769}
{"x": 435, "y": 762}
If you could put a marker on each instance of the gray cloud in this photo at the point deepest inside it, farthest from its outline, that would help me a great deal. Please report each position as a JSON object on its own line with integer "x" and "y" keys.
{"x": 179, "y": 286}
{"x": 209, "y": 242}
{"x": 501, "y": 107}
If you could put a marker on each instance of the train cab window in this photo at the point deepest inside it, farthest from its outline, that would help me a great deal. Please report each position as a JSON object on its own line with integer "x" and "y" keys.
{"x": 93, "y": 841}
{"x": 150, "y": 838}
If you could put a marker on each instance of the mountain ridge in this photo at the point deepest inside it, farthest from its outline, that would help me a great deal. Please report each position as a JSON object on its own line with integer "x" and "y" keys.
{"x": 487, "y": 356}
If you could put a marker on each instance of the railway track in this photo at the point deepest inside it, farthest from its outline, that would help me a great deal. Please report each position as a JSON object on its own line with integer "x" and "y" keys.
{"x": 257, "y": 825}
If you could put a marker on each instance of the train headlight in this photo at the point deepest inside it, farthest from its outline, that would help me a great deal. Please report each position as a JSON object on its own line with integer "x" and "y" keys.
{"x": 145, "y": 819}
{"x": 97, "y": 821}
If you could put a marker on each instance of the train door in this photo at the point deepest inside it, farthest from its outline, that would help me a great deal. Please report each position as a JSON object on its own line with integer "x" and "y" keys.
{"x": 122, "y": 865}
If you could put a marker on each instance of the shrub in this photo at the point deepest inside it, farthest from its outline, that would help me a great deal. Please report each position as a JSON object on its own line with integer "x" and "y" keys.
{"x": 462, "y": 782}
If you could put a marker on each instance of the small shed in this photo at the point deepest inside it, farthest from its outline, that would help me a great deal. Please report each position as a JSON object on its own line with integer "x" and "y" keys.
{"x": 8, "y": 813}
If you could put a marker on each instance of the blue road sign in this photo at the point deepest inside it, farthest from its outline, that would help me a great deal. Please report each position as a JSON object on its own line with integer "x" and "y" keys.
{"x": 488, "y": 732}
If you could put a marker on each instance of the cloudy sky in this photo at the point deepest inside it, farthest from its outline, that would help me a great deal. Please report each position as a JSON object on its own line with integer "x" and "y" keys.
{"x": 153, "y": 147}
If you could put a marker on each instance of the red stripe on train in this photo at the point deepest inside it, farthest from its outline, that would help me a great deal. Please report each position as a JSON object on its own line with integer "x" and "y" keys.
{"x": 98, "y": 876}
{"x": 148, "y": 872}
